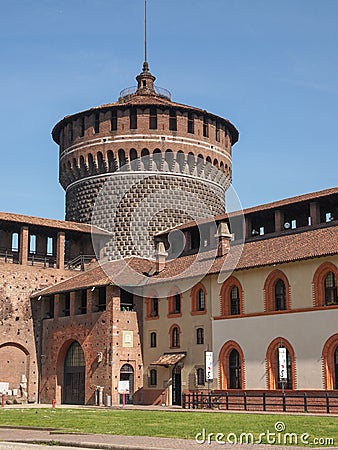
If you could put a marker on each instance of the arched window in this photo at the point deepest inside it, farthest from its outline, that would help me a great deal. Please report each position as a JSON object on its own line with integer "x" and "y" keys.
{"x": 153, "y": 339}
{"x": 153, "y": 118}
{"x": 277, "y": 292}
{"x": 273, "y": 370}
{"x": 133, "y": 118}
{"x": 122, "y": 158}
{"x": 280, "y": 295}
{"x": 330, "y": 286}
{"x": 74, "y": 375}
{"x": 199, "y": 336}
{"x": 235, "y": 376}
{"x": 174, "y": 336}
{"x": 198, "y": 294}
{"x": 330, "y": 363}
{"x": 153, "y": 377}
{"x": 231, "y": 364}
{"x": 325, "y": 285}
{"x": 231, "y": 297}
{"x": 152, "y": 306}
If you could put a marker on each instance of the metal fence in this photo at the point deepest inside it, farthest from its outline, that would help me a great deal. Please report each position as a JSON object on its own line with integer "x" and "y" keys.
{"x": 263, "y": 401}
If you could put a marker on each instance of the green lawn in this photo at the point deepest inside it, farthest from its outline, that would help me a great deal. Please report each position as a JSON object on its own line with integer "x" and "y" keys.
{"x": 176, "y": 424}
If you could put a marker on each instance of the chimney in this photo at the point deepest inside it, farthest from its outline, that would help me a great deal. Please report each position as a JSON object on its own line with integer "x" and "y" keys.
{"x": 160, "y": 255}
{"x": 224, "y": 237}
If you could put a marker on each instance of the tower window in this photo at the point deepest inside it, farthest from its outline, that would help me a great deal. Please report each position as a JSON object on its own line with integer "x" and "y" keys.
{"x": 175, "y": 337}
{"x": 234, "y": 301}
{"x": 153, "y": 118}
{"x": 154, "y": 307}
{"x": 113, "y": 120}
{"x": 218, "y": 132}
{"x": 133, "y": 118}
{"x": 205, "y": 127}
{"x": 191, "y": 125}
{"x": 172, "y": 119}
{"x": 82, "y": 126}
{"x": 97, "y": 123}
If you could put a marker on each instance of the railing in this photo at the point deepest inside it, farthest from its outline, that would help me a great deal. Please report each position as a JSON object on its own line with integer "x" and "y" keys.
{"x": 129, "y": 91}
{"x": 79, "y": 262}
{"x": 9, "y": 256}
{"x": 263, "y": 401}
{"x": 42, "y": 259}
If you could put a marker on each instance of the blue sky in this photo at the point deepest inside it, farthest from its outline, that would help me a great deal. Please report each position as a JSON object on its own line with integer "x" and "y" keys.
{"x": 271, "y": 67}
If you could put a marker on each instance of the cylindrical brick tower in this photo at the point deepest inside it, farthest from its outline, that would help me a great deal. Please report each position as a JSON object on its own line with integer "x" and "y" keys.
{"x": 182, "y": 148}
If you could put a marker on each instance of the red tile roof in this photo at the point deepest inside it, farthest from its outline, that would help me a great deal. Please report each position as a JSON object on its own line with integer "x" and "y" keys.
{"x": 295, "y": 246}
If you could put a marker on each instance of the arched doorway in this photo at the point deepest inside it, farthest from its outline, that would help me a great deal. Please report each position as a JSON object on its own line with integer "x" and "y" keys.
{"x": 74, "y": 375}
{"x": 176, "y": 386}
{"x": 127, "y": 374}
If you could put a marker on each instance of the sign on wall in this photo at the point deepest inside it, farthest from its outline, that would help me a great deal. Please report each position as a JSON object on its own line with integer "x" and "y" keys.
{"x": 127, "y": 339}
{"x": 283, "y": 374}
{"x": 208, "y": 358}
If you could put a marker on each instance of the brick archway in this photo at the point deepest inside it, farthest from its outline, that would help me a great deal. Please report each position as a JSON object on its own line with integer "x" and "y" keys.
{"x": 227, "y": 286}
{"x": 269, "y": 290}
{"x": 319, "y": 281}
{"x": 328, "y": 362}
{"x": 271, "y": 362}
{"x": 223, "y": 364}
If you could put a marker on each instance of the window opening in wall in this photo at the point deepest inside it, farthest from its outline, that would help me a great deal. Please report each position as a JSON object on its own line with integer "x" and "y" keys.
{"x": 153, "y": 377}
{"x": 82, "y": 126}
{"x": 175, "y": 337}
{"x": 65, "y": 303}
{"x": 280, "y": 295}
{"x": 113, "y": 120}
{"x": 133, "y": 118}
{"x": 218, "y": 132}
{"x": 261, "y": 231}
{"x": 15, "y": 242}
{"x": 102, "y": 299}
{"x": 49, "y": 246}
{"x": 154, "y": 307}
{"x": 336, "y": 368}
{"x": 153, "y": 118}
{"x": 71, "y": 132}
{"x": 235, "y": 370}
{"x": 199, "y": 336}
{"x": 97, "y": 123}
{"x": 83, "y": 307}
{"x": 234, "y": 301}
{"x": 172, "y": 119}
{"x": 205, "y": 127}
{"x": 293, "y": 224}
{"x": 328, "y": 217}
{"x": 201, "y": 300}
{"x": 153, "y": 339}
{"x": 126, "y": 300}
{"x": 191, "y": 125}
{"x": 330, "y": 285}
{"x": 177, "y": 304}
{"x": 200, "y": 376}
{"x": 32, "y": 243}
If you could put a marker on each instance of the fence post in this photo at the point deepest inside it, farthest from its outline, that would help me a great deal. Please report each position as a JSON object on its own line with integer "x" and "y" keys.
{"x": 264, "y": 401}
{"x": 244, "y": 401}
{"x": 284, "y": 402}
{"x": 305, "y": 402}
{"x": 183, "y": 400}
{"x": 227, "y": 400}
{"x": 327, "y": 403}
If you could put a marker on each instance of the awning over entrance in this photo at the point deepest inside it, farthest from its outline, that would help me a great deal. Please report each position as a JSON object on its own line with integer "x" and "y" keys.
{"x": 169, "y": 359}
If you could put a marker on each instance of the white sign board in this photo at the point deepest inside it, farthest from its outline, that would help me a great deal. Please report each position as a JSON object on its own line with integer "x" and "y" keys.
{"x": 123, "y": 387}
{"x": 283, "y": 374}
{"x": 209, "y": 375}
{"x": 4, "y": 387}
